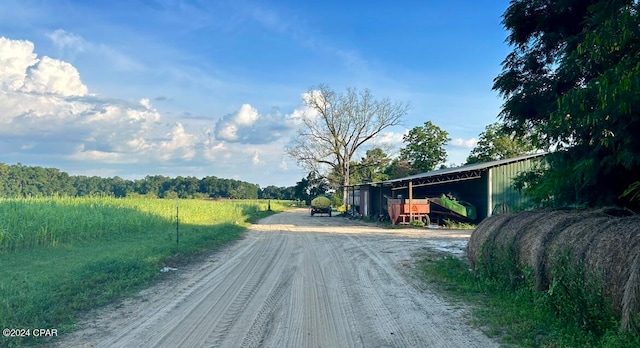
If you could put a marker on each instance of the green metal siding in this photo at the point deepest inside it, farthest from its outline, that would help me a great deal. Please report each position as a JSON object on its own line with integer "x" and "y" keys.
{"x": 502, "y": 190}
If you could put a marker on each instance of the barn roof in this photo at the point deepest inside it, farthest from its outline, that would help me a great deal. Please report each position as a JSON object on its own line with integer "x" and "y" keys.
{"x": 469, "y": 171}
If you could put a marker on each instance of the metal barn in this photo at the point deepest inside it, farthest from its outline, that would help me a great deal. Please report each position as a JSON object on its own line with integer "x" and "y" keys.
{"x": 487, "y": 186}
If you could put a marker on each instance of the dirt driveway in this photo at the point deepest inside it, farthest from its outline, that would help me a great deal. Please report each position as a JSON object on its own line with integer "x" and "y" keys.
{"x": 294, "y": 281}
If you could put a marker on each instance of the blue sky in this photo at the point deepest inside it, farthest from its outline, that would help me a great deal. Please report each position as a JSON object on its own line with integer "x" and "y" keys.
{"x": 199, "y": 88}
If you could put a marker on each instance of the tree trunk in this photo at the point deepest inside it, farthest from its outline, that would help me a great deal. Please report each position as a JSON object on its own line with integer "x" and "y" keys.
{"x": 345, "y": 184}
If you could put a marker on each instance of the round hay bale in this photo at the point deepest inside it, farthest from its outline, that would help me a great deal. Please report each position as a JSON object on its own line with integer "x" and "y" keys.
{"x": 604, "y": 244}
{"x": 631, "y": 296}
{"x": 534, "y": 243}
{"x": 501, "y": 255}
{"x": 612, "y": 257}
{"x": 484, "y": 231}
{"x": 575, "y": 237}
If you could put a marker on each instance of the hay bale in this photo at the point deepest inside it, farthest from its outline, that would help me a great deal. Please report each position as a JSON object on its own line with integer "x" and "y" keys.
{"x": 321, "y": 202}
{"x": 533, "y": 243}
{"x": 485, "y": 231}
{"x": 613, "y": 256}
{"x": 631, "y": 296}
{"x": 576, "y": 238}
{"x": 605, "y": 242}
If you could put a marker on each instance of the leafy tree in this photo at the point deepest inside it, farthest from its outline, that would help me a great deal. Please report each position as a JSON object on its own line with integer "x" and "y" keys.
{"x": 495, "y": 143}
{"x": 338, "y": 125}
{"x": 399, "y": 168}
{"x": 272, "y": 192}
{"x": 425, "y": 147}
{"x": 371, "y": 168}
{"x": 573, "y": 82}
{"x": 310, "y": 187}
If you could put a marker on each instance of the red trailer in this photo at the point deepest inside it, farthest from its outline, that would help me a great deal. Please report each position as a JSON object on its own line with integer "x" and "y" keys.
{"x": 403, "y": 212}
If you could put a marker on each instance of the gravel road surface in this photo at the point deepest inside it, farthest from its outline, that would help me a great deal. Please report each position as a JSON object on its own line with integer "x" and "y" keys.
{"x": 295, "y": 281}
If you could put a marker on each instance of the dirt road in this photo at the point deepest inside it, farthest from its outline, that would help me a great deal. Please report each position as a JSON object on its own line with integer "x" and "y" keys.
{"x": 295, "y": 281}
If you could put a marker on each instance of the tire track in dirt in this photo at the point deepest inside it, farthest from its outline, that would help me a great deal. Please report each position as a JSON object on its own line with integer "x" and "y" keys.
{"x": 293, "y": 281}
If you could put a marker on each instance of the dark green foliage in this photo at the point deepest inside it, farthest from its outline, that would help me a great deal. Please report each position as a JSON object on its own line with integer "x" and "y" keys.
{"x": 310, "y": 187}
{"x": 495, "y": 143}
{"x": 572, "y": 82}
{"x": 400, "y": 168}
{"x": 371, "y": 168}
{"x": 425, "y": 147}
{"x": 502, "y": 266}
{"x": 575, "y": 297}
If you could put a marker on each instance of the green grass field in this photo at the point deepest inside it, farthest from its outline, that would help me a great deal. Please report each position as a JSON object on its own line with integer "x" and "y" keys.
{"x": 62, "y": 256}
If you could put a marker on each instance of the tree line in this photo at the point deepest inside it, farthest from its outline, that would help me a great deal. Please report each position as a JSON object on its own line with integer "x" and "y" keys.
{"x": 19, "y": 180}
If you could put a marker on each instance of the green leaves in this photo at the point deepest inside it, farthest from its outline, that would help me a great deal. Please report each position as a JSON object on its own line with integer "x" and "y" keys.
{"x": 425, "y": 147}
{"x": 573, "y": 83}
{"x": 496, "y": 143}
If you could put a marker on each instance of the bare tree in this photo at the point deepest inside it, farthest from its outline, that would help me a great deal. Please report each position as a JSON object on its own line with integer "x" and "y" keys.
{"x": 336, "y": 125}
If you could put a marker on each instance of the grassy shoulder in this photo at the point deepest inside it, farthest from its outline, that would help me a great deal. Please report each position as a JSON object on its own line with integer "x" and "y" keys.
{"x": 519, "y": 316}
{"x": 48, "y": 286}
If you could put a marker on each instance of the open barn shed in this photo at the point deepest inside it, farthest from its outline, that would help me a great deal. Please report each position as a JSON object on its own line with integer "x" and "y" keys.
{"x": 487, "y": 186}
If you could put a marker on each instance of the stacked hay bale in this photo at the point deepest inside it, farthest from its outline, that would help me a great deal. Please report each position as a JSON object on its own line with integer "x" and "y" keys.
{"x": 605, "y": 243}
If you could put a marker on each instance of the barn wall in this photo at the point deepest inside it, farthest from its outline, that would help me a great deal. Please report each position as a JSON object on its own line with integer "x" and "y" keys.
{"x": 502, "y": 184}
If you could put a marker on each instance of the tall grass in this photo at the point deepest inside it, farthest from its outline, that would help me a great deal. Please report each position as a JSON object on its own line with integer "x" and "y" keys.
{"x": 62, "y": 256}
{"x": 32, "y": 222}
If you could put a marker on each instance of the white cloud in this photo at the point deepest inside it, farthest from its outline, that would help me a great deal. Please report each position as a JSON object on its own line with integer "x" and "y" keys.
{"x": 71, "y": 44}
{"x": 389, "y": 138}
{"x": 179, "y": 143}
{"x": 47, "y": 113}
{"x": 247, "y": 126}
{"x": 54, "y": 76}
{"x": 464, "y": 143}
{"x": 283, "y": 164}
{"x": 44, "y": 100}
{"x": 16, "y": 57}
{"x": 256, "y": 159}
{"x": 95, "y": 155}
{"x": 64, "y": 40}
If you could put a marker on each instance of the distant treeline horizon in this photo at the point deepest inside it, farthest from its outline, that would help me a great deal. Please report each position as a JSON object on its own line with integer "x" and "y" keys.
{"x": 19, "y": 180}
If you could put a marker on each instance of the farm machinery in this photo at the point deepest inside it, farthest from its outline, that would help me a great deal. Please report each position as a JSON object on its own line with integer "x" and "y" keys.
{"x": 404, "y": 211}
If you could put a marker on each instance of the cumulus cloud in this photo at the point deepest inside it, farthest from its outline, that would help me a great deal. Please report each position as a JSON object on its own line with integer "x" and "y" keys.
{"x": 54, "y": 76}
{"x": 43, "y": 100}
{"x": 47, "y": 113}
{"x": 247, "y": 126}
{"x": 464, "y": 143}
{"x": 304, "y": 111}
{"x": 16, "y": 57}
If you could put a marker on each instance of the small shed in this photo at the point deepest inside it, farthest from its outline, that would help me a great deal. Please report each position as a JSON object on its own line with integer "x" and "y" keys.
{"x": 488, "y": 186}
